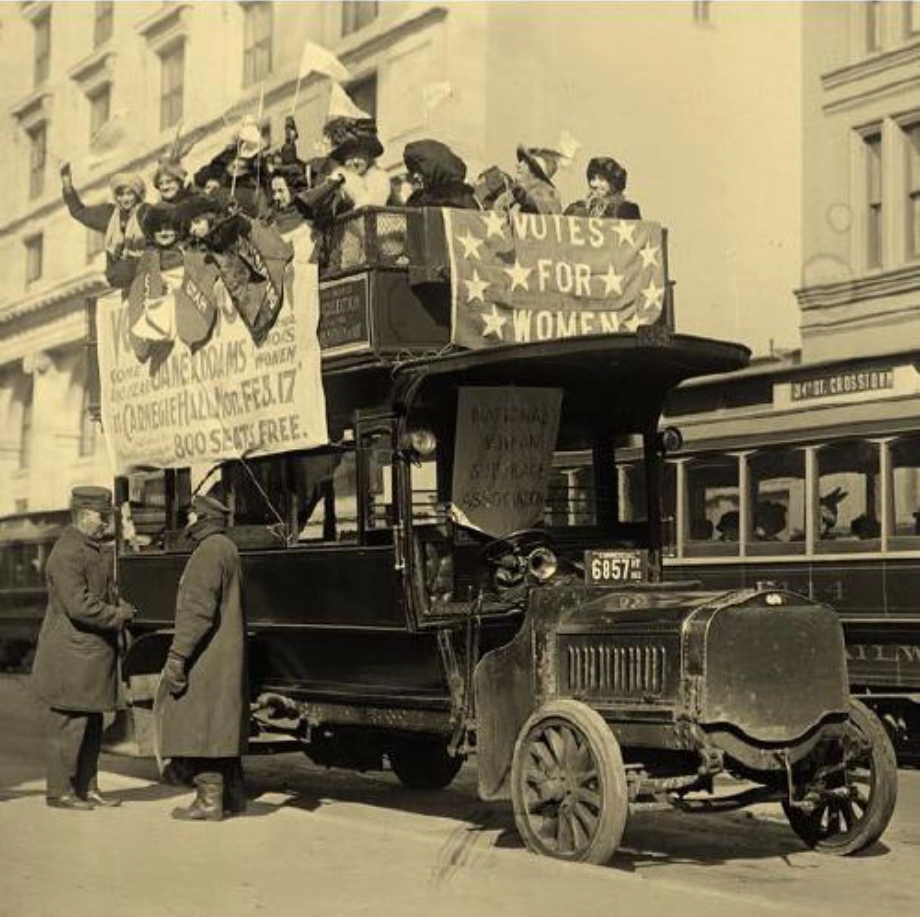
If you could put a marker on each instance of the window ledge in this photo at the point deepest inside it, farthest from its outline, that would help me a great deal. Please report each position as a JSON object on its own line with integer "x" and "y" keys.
{"x": 33, "y": 108}
{"x": 166, "y": 26}
{"x": 384, "y": 29}
{"x": 95, "y": 70}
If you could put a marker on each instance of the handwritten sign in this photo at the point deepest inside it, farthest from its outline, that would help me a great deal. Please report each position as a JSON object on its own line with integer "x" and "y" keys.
{"x": 502, "y": 460}
{"x": 224, "y": 399}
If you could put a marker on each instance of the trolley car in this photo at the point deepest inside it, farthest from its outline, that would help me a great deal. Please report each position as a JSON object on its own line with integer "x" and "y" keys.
{"x": 808, "y": 477}
{"x": 387, "y": 629}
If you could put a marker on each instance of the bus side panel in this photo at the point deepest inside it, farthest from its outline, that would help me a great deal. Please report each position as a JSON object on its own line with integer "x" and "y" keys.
{"x": 321, "y": 586}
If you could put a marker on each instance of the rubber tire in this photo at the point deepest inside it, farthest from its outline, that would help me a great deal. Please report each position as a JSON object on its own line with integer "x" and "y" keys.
{"x": 882, "y": 797}
{"x": 422, "y": 762}
{"x": 611, "y": 778}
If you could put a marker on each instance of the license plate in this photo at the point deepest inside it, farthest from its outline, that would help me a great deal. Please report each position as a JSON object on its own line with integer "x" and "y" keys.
{"x": 615, "y": 568}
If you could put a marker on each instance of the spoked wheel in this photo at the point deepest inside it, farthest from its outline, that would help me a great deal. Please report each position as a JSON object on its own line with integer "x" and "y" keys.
{"x": 568, "y": 784}
{"x": 854, "y": 803}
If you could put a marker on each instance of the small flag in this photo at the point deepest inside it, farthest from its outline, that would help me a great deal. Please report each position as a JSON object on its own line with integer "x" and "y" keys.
{"x": 316, "y": 59}
{"x": 568, "y": 148}
{"x": 341, "y": 105}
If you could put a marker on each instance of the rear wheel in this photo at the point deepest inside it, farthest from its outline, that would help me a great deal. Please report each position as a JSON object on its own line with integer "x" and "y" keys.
{"x": 423, "y": 762}
{"x": 568, "y": 784}
{"x": 854, "y": 803}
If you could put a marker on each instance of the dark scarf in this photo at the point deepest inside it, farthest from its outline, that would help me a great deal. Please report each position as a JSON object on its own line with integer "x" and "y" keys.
{"x": 210, "y": 525}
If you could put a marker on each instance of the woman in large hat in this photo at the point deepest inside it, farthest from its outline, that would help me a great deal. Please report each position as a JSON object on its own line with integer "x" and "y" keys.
{"x": 438, "y": 175}
{"x": 605, "y": 198}
{"x": 120, "y": 221}
{"x": 533, "y": 190}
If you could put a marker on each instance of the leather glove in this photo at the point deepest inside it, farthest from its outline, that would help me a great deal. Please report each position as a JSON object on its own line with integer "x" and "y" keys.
{"x": 174, "y": 675}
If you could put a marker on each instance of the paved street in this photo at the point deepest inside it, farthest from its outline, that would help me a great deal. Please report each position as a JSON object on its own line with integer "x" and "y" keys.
{"x": 336, "y": 843}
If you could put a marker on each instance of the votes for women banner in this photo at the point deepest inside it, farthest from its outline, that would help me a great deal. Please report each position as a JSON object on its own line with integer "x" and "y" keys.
{"x": 540, "y": 277}
{"x": 220, "y": 398}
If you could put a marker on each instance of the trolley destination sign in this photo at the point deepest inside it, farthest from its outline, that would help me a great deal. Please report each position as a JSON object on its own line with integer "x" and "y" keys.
{"x": 846, "y": 382}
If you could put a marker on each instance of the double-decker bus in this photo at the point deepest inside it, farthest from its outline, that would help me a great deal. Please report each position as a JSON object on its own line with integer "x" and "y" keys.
{"x": 808, "y": 477}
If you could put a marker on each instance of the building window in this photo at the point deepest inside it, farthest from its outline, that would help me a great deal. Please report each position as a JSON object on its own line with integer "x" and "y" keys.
{"x": 364, "y": 94}
{"x": 95, "y": 242}
{"x": 913, "y": 190}
{"x": 257, "y": 42}
{"x": 38, "y": 154}
{"x": 912, "y": 19}
{"x": 172, "y": 80}
{"x": 25, "y": 424}
{"x": 102, "y": 22}
{"x": 873, "y": 146}
{"x": 873, "y": 11}
{"x": 357, "y": 14}
{"x": 100, "y": 108}
{"x": 34, "y": 257}
{"x": 87, "y": 424}
{"x": 42, "y": 27}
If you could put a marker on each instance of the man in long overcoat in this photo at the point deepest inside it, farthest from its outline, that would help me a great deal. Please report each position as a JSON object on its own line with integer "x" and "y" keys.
{"x": 74, "y": 672}
{"x": 204, "y": 710}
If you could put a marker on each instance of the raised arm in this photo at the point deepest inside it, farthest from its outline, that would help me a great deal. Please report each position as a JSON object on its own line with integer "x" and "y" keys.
{"x": 96, "y": 217}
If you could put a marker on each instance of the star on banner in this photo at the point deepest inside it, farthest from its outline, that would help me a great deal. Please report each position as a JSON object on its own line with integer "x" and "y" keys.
{"x": 613, "y": 282}
{"x": 470, "y": 245}
{"x": 649, "y": 255}
{"x": 476, "y": 288}
{"x": 495, "y": 225}
{"x": 631, "y": 323}
{"x": 653, "y": 295}
{"x": 518, "y": 275}
{"x": 493, "y": 322}
{"x": 625, "y": 229}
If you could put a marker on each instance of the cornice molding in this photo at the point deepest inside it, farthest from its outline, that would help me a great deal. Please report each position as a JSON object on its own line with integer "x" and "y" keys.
{"x": 873, "y": 286}
{"x": 86, "y": 283}
{"x": 870, "y": 66}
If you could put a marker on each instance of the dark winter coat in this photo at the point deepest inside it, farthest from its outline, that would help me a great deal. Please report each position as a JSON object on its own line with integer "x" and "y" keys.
{"x": 210, "y": 719}
{"x": 74, "y": 666}
{"x": 615, "y": 207}
{"x": 119, "y": 272}
{"x": 443, "y": 175}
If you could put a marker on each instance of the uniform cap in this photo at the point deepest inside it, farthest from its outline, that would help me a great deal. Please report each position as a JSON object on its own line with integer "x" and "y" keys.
{"x": 97, "y": 498}
{"x": 206, "y": 506}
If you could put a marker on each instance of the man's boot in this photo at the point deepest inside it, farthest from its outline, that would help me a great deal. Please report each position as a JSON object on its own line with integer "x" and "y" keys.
{"x": 208, "y": 804}
{"x": 234, "y": 788}
{"x": 94, "y": 795}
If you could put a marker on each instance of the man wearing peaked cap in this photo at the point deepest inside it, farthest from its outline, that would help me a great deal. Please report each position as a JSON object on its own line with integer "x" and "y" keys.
{"x": 74, "y": 673}
{"x": 204, "y": 714}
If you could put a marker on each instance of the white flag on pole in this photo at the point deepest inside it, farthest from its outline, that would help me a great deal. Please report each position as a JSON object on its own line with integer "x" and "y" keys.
{"x": 341, "y": 105}
{"x": 316, "y": 59}
{"x": 433, "y": 94}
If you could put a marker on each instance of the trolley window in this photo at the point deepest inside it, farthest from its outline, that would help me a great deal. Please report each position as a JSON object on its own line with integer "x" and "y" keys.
{"x": 776, "y": 520}
{"x": 905, "y": 493}
{"x": 712, "y": 510}
{"x": 848, "y": 497}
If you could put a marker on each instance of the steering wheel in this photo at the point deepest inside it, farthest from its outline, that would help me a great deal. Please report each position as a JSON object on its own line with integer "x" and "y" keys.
{"x": 523, "y": 541}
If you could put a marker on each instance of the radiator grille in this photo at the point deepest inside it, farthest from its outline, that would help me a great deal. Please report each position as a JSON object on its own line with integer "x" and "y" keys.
{"x": 614, "y": 669}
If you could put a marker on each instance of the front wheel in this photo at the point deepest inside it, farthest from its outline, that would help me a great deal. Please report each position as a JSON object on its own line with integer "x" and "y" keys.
{"x": 568, "y": 784}
{"x": 423, "y": 762}
{"x": 855, "y": 802}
